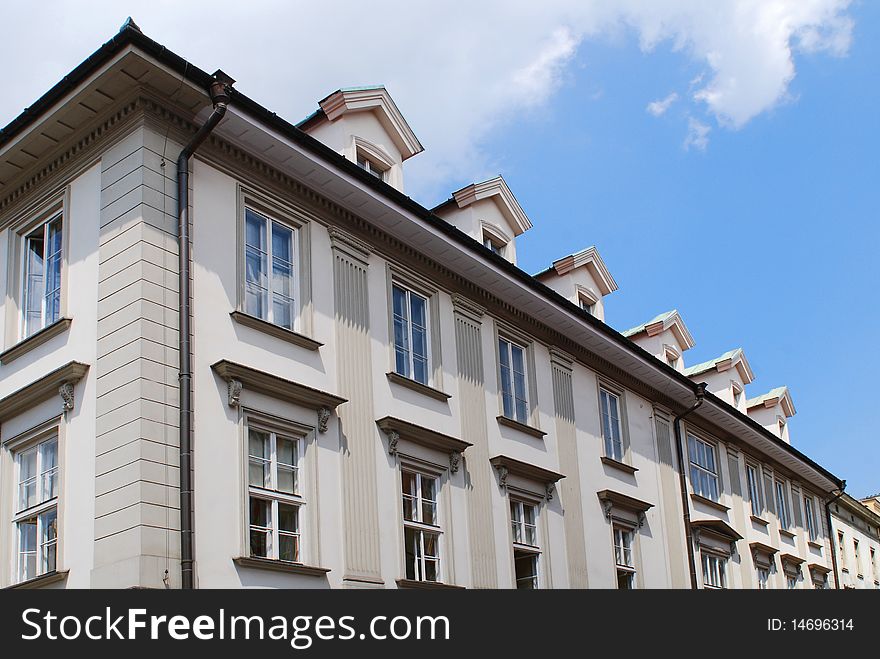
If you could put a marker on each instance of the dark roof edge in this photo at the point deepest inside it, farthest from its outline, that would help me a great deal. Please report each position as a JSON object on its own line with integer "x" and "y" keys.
{"x": 130, "y": 35}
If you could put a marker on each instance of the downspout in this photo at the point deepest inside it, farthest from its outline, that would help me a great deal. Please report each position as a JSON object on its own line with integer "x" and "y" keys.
{"x": 219, "y": 92}
{"x": 685, "y": 503}
{"x": 832, "y": 540}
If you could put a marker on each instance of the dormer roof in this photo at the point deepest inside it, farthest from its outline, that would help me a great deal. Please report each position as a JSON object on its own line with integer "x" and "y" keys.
{"x": 735, "y": 358}
{"x": 496, "y": 189}
{"x": 669, "y": 320}
{"x": 589, "y": 258}
{"x": 363, "y": 99}
{"x": 778, "y": 396}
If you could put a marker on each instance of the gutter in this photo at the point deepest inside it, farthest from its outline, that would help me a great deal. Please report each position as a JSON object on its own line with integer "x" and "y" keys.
{"x": 700, "y": 394}
{"x": 219, "y": 91}
{"x": 832, "y": 540}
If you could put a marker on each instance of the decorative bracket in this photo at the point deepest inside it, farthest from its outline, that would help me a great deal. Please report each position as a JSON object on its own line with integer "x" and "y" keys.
{"x": 502, "y": 476}
{"x": 393, "y": 440}
{"x": 323, "y": 418}
{"x": 454, "y": 461}
{"x": 233, "y": 392}
{"x": 66, "y": 393}
{"x": 607, "y": 505}
{"x": 551, "y": 487}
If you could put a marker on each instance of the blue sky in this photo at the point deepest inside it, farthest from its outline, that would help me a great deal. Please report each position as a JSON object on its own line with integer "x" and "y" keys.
{"x": 762, "y": 233}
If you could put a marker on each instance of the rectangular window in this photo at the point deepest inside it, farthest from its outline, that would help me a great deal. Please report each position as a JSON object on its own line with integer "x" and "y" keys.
{"x": 493, "y": 244}
{"x": 841, "y": 549}
{"x": 782, "y": 506}
{"x": 856, "y": 556}
{"x": 514, "y": 392}
{"x": 623, "y": 558}
{"x": 810, "y": 517}
{"x": 36, "y": 517}
{"x": 611, "y": 427}
{"x": 704, "y": 470}
{"x": 41, "y": 277}
{"x": 368, "y": 165}
{"x": 411, "y": 340}
{"x": 714, "y": 571}
{"x": 754, "y": 483}
{"x": 270, "y": 281}
{"x": 874, "y": 565}
{"x": 274, "y": 495}
{"x": 525, "y": 544}
{"x": 763, "y": 578}
{"x": 791, "y": 582}
{"x": 421, "y": 526}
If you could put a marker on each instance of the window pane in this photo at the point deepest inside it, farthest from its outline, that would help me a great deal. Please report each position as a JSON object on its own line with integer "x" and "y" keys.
{"x": 259, "y": 468}
{"x": 409, "y": 492}
{"x": 260, "y": 527}
{"x": 412, "y": 553}
{"x": 526, "y": 570}
{"x": 288, "y": 547}
{"x": 255, "y": 230}
{"x": 288, "y": 518}
{"x": 48, "y": 541}
{"x": 27, "y": 549}
{"x": 49, "y": 469}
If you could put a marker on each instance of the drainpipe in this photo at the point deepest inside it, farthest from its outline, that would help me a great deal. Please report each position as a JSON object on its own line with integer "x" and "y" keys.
{"x": 700, "y": 393}
{"x": 219, "y": 91}
{"x": 832, "y": 540}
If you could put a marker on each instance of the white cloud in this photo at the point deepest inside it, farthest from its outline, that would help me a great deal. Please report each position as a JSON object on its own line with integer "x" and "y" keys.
{"x": 658, "y": 108}
{"x": 697, "y": 135}
{"x": 457, "y": 70}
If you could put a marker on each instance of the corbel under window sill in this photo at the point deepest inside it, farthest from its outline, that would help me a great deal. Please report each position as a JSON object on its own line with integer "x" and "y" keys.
{"x": 522, "y": 427}
{"x": 697, "y": 498}
{"x": 427, "y": 585}
{"x": 617, "y": 464}
{"x": 424, "y": 389}
{"x": 281, "y": 566}
{"x": 275, "y": 330}
{"x": 36, "y": 339}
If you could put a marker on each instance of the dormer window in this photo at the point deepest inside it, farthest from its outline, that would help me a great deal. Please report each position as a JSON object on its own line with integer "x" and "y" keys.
{"x": 672, "y": 360}
{"x": 372, "y": 167}
{"x": 589, "y": 307}
{"x": 781, "y": 423}
{"x": 737, "y": 394}
{"x": 586, "y": 300}
{"x": 491, "y": 242}
{"x": 672, "y": 356}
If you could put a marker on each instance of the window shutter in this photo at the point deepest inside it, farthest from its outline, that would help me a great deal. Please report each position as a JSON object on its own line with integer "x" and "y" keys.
{"x": 733, "y": 468}
{"x": 769, "y": 493}
{"x": 796, "y": 505}
{"x": 664, "y": 449}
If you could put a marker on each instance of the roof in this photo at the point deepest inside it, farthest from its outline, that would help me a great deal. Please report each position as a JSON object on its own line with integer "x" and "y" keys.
{"x": 668, "y": 320}
{"x": 730, "y": 359}
{"x": 777, "y": 396}
{"x": 496, "y": 189}
{"x": 130, "y": 36}
{"x": 588, "y": 258}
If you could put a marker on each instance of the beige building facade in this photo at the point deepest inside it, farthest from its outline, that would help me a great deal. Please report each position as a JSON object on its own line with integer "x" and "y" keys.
{"x": 381, "y": 398}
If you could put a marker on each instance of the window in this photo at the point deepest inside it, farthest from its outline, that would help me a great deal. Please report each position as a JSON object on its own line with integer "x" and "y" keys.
{"x": 611, "y": 431}
{"x": 704, "y": 472}
{"x": 274, "y": 495}
{"x": 623, "y": 558}
{"x": 874, "y": 569}
{"x": 782, "y": 505}
{"x": 672, "y": 360}
{"x": 270, "y": 285}
{"x": 791, "y": 582}
{"x": 856, "y": 555}
{"x": 410, "y": 311}
{"x": 514, "y": 395}
{"x": 36, "y": 519}
{"x": 841, "y": 549}
{"x": 587, "y": 304}
{"x": 810, "y": 517}
{"x": 421, "y": 529}
{"x": 763, "y": 578}
{"x": 525, "y": 544}
{"x": 754, "y": 484}
{"x": 41, "y": 276}
{"x": 493, "y": 243}
{"x": 737, "y": 394}
{"x": 714, "y": 571}
{"x": 370, "y": 166}
{"x": 781, "y": 423}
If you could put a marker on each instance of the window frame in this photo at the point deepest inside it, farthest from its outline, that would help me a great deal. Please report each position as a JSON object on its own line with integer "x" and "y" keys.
{"x": 421, "y": 471}
{"x": 411, "y": 282}
{"x": 810, "y": 521}
{"x": 783, "y": 507}
{"x": 382, "y": 165}
{"x": 513, "y": 338}
{"x": 299, "y": 222}
{"x": 629, "y": 570}
{"x": 622, "y": 425}
{"x": 720, "y": 570}
{"x": 755, "y": 487}
{"x": 494, "y": 239}
{"x": 692, "y": 465}
{"x": 524, "y": 549}
{"x": 763, "y": 577}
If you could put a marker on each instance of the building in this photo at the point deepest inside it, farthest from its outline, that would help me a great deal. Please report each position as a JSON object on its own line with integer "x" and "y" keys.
{"x": 379, "y": 396}
{"x": 856, "y": 530}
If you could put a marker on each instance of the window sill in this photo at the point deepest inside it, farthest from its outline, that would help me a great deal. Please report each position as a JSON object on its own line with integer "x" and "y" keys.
{"x": 280, "y": 566}
{"x": 814, "y": 544}
{"x": 425, "y": 389}
{"x": 36, "y": 339}
{"x": 759, "y": 520}
{"x": 427, "y": 585}
{"x": 697, "y": 498}
{"x": 616, "y": 464}
{"x": 522, "y": 427}
{"x": 786, "y": 533}
{"x": 40, "y": 581}
{"x": 275, "y": 330}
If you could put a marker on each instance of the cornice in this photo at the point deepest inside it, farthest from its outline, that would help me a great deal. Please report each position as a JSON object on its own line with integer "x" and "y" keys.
{"x": 59, "y": 382}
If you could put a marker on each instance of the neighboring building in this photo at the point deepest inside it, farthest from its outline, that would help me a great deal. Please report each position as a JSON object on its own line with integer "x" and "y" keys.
{"x": 381, "y": 398}
{"x": 856, "y": 529}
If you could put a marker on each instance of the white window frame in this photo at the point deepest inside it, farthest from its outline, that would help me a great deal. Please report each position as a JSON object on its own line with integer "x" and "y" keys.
{"x": 755, "y": 488}
{"x": 519, "y": 536}
{"x": 704, "y": 469}
{"x": 619, "y": 536}
{"x": 38, "y": 510}
{"x": 409, "y": 293}
{"x": 369, "y": 165}
{"x": 420, "y": 527}
{"x": 810, "y": 519}
{"x": 510, "y": 382}
{"x": 605, "y": 409}
{"x": 737, "y": 393}
{"x": 841, "y": 549}
{"x": 791, "y": 581}
{"x": 763, "y": 576}
{"x": 783, "y": 510}
{"x": 714, "y": 567}
{"x": 46, "y": 318}
{"x": 272, "y": 495}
